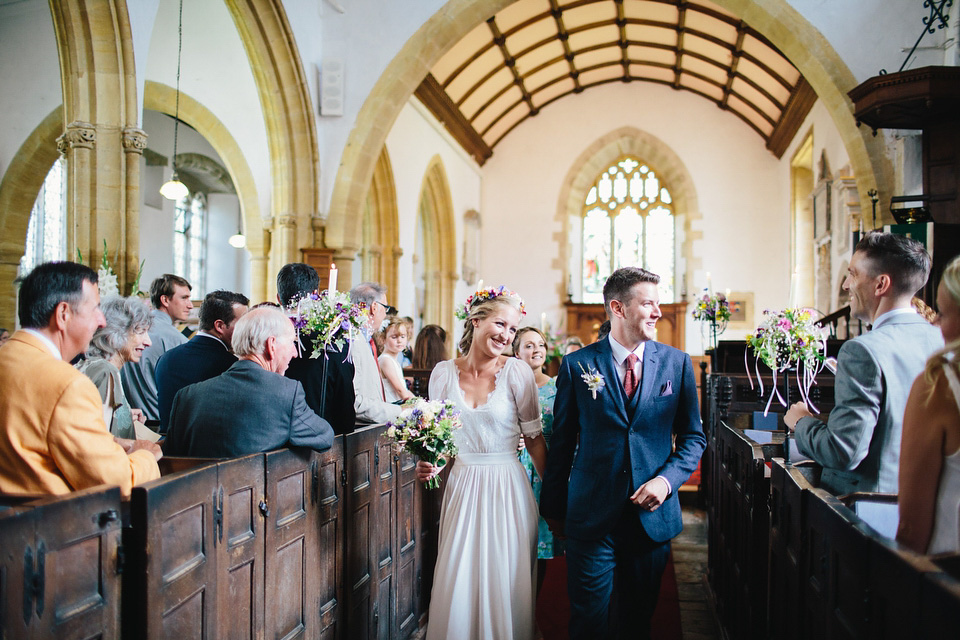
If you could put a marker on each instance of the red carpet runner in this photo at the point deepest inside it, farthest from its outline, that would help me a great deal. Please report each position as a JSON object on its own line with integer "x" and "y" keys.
{"x": 553, "y": 608}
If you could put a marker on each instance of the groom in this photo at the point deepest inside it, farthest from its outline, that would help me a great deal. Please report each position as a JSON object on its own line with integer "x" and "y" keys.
{"x": 613, "y": 470}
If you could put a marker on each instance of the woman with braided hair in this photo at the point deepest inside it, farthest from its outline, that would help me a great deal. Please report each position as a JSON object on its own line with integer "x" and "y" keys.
{"x": 485, "y": 580}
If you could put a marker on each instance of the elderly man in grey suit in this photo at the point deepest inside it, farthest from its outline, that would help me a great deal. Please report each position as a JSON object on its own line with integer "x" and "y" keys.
{"x": 369, "y": 400}
{"x": 859, "y": 445}
{"x": 251, "y": 407}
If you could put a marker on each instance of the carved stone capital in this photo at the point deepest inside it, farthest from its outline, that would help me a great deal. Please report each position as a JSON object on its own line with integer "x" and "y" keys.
{"x": 287, "y": 221}
{"x": 78, "y": 135}
{"x": 134, "y": 140}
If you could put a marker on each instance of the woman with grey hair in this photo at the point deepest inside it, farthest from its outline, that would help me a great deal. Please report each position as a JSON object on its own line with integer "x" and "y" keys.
{"x": 122, "y": 340}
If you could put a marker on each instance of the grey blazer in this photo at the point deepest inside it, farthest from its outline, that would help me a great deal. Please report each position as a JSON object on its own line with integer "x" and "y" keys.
{"x": 859, "y": 445}
{"x": 246, "y": 409}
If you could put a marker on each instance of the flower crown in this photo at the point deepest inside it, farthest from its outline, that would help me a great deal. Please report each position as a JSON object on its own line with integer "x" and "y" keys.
{"x": 489, "y": 294}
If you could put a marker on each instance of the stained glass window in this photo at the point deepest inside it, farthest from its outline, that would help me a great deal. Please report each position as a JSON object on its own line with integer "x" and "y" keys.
{"x": 47, "y": 229}
{"x": 189, "y": 240}
{"x": 627, "y": 221}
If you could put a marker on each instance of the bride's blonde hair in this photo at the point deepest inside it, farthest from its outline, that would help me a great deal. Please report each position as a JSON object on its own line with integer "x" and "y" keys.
{"x": 948, "y": 356}
{"x": 481, "y": 309}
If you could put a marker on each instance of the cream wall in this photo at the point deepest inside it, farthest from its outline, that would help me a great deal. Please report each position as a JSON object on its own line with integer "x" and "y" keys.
{"x": 745, "y": 229}
{"x": 415, "y": 139}
{"x": 28, "y": 92}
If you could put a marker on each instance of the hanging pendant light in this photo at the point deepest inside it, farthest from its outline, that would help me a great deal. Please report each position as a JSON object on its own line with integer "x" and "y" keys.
{"x": 173, "y": 189}
{"x": 238, "y": 240}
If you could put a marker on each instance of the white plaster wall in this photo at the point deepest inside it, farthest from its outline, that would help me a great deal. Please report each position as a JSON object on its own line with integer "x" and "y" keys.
{"x": 416, "y": 137}
{"x": 215, "y": 71}
{"x": 746, "y": 234}
{"x": 29, "y": 73}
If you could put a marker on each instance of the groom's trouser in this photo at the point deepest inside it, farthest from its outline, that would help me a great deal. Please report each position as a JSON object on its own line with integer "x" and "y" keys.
{"x": 613, "y": 582}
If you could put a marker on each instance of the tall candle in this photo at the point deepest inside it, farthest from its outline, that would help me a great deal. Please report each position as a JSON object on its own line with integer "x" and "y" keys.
{"x": 480, "y": 284}
{"x": 709, "y": 284}
{"x": 793, "y": 288}
{"x": 543, "y": 322}
{"x": 728, "y": 294}
{"x": 332, "y": 280}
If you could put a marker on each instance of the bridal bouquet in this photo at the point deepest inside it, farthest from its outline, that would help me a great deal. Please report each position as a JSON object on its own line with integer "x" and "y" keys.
{"x": 330, "y": 318}
{"x": 425, "y": 429}
{"x": 789, "y": 339}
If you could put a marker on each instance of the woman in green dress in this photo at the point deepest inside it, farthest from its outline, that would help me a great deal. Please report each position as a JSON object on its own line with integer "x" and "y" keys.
{"x": 530, "y": 345}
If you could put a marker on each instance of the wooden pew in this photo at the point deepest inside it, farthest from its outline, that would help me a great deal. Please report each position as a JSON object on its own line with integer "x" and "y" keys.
{"x": 60, "y": 566}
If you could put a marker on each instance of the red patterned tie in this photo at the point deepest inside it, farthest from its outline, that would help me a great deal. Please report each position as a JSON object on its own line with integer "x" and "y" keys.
{"x": 630, "y": 383}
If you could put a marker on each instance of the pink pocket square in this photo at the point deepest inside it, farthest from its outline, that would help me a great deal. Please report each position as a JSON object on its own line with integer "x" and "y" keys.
{"x": 667, "y": 388}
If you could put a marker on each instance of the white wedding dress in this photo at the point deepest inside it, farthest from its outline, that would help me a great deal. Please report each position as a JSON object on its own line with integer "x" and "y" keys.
{"x": 484, "y": 585}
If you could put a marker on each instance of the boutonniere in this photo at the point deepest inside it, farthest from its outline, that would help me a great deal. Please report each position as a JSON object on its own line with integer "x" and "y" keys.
{"x": 594, "y": 380}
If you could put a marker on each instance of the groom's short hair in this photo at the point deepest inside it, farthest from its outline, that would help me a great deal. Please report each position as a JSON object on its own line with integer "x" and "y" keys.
{"x": 619, "y": 286}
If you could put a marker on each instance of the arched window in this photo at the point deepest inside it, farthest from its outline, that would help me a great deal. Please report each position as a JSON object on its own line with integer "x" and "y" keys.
{"x": 190, "y": 240}
{"x": 46, "y": 232}
{"x": 627, "y": 221}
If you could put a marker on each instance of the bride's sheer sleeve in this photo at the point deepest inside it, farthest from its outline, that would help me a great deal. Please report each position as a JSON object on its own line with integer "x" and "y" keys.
{"x": 524, "y": 387}
{"x": 439, "y": 387}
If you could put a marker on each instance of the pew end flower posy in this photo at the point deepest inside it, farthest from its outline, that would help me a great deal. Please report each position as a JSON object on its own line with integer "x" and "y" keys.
{"x": 788, "y": 339}
{"x": 425, "y": 429}
{"x": 330, "y": 319}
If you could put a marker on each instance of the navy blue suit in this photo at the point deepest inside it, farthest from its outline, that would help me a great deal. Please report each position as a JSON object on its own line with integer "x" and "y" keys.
{"x": 246, "y": 409}
{"x": 199, "y": 359}
{"x": 328, "y": 383}
{"x": 601, "y": 451}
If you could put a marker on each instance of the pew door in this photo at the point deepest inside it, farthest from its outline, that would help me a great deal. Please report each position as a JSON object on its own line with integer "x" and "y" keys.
{"x": 292, "y": 560}
{"x": 59, "y": 573}
{"x": 326, "y": 470}
{"x": 362, "y": 492}
{"x": 170, "y": 590}
{"x": 409, "y": 554}
{"x": 239, "y": 540}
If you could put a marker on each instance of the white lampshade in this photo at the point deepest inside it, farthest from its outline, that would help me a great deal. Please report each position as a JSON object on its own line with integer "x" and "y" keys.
{"x": 173, "y": 189}
{"x": 238, "y": 240}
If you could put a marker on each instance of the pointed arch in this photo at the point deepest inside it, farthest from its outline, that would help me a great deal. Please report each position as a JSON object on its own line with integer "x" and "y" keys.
{"x": 439, "y": 245}
{"x": 18, "y": 191}
{"x": 381, "y": 235}
{"x": 783, "y": 25}
{"x": 605, "y": 151}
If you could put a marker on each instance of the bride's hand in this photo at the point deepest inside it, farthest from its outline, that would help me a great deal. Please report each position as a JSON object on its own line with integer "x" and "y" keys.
{"x": 425, "y": 470}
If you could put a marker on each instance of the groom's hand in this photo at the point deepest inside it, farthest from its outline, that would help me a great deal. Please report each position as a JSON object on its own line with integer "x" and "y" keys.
{"x": 556, "y": 527}
{"x": 651, "y": 494}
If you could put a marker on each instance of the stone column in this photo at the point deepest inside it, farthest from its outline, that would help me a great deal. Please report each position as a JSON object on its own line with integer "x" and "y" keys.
{"x": 134, "y": 142}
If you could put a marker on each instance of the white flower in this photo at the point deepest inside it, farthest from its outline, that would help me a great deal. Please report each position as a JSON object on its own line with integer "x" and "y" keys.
{"x": 594, "y": 380}
{"x": 108, "y": 282}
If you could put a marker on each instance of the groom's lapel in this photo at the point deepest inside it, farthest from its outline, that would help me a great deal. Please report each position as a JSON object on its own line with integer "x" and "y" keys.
{"x": 648, "y": 383}
{"x": 612, "y": 394}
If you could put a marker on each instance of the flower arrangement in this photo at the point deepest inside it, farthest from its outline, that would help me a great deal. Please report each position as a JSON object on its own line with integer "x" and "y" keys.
{"x": 786, "y": 339}
{"x": 488, "y": 294}
{"x": 425, "y": 429}
{"x": 106, "y": 277}
{"x": 712, "y": 308}
{"x": 330, "y": 318}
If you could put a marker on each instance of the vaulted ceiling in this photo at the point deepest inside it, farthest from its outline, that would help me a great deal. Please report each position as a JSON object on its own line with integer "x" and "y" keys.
{"x": 535, "y": 52}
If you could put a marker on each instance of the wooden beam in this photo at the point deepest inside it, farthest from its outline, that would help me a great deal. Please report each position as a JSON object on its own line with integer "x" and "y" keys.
{"x": 434, "y": 98}
{"x": 794, "y": 113}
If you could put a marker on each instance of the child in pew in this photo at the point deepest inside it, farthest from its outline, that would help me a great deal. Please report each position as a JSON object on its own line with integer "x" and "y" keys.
{"x": 930, "y": 451}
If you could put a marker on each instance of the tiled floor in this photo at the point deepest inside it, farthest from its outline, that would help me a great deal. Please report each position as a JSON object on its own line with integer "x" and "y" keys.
{"x": 697, "y": 618}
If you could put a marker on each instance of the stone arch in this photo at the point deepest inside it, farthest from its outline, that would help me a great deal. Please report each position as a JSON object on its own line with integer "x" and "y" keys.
{"x": 381, "y": 228}
{"x": 18, "y": 191}
{"x": 604, "y": 152}
{"x": 291, "y": 136}
{"x": 160, "y": 97}
{"x": 439, "y": 245}
{"x": 783, "y": 25}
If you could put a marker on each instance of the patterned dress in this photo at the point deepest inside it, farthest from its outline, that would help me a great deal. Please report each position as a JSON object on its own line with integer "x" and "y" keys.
{"x": 547, "y": 546}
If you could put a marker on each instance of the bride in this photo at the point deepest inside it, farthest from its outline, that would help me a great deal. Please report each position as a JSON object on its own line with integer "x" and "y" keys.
{"x": 484, "y": 585}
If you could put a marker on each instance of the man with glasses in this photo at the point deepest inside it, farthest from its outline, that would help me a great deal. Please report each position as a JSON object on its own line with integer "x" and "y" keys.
{"x": 369, "y": 402}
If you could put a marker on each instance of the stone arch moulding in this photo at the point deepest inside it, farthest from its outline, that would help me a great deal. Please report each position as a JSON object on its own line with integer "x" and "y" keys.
{"x": 18, "y": 191}
{"x": 439, "y": 246}
{"x": 384, "y": 217}
{"x": 799, "y": 40}
{"x": 605, "y": 151}
{"x": 291, "y": 135}
{"x": 160, "y": 97}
